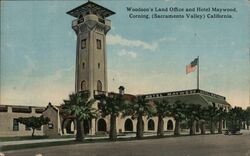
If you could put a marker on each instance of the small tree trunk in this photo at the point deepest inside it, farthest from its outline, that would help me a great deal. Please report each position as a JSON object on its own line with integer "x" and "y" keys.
{"x": 113, "y": 133}
{"x": 139, "y": 127}
{"x": 160, "y": 131}
{"x": 220, "y": 126}
{"x": 203, "y": 129}
{"x": 177, "y": 127}
{"x": 211, "y": 127}
{"x": 247, "y": 124}
{"x": 192, "y": 128}
{"x": 33, "y": 132}
{"x": 197, "y": 126}
{"x": 79, "y": 131}
{"x": 244, "y": 125}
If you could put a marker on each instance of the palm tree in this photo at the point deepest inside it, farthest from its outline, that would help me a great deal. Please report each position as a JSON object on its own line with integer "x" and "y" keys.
{"x": 247, "y": 116}
{"x": 111, "y": 105}
{"x": 193, "y": 114}
{"x": 80, "y": 106}
{"x": 178, "y": 110}
{"x": 138, "y": 108}
{"x": 203, "y": 118}
{"x": 221, "y": 115}
{"x": 211, "y": 113}
{"x": 162, "y": 110}
{"x": 234, "y": 119}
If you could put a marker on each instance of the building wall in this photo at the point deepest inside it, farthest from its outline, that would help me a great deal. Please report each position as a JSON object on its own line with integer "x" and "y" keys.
{"x": 6, "y": 123}
{"x": 120, "y": 124}
{"x": 91, "y": 30}
{"x": 54, "y": 126}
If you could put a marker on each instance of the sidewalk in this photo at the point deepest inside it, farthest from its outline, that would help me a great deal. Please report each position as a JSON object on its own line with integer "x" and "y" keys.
{"x": 33, "y": 141}
{"x": 70, "y": 139}
{"x": 62, "y": 139}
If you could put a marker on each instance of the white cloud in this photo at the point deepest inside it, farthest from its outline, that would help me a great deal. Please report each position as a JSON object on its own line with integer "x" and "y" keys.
{"x": 152, "y": 46}
{"x": 60, "y": 73}
{"x": 119, "y": 40}
{"x": 129, "y": 54}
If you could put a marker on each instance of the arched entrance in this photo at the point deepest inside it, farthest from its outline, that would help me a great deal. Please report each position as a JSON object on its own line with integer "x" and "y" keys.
{"x": 101, "y": 125}
{"x": 128, "y": 126}
{"x": 68, "y": 126}
{"x": 151, "y": 125}
{"x": 170, "y": 125}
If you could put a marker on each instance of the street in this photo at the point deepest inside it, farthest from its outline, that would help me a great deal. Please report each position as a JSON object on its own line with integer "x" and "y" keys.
{"x": 199, "y": 145}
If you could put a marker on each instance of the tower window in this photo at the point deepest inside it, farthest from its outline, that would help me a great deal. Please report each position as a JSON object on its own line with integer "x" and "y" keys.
{"x": 99, "y": 65}
{"x": 83, "y": 85}
{"x": 83, "y": 65}
{"x": 99, "y": 85}
{"x": 83, "y": 43}
{"x": 99, "y": 44}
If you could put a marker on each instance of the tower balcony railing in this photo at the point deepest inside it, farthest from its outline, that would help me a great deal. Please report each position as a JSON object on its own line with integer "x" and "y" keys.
{"x": 101, "y": 20}
{"x": 91, "y": 17}
{"x": 98, "y": 92}
{"x": 75, "y": 22}
{"x": 108, "y": 22}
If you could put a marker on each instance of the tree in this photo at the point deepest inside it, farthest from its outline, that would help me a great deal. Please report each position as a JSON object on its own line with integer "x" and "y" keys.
{"x": 178, "y": 110}
{"x": 111, "y": 105}
{"x": 80, "y": 106}
{"x": 247, "y": 116}
{"x": 234, "y": 119}
{"x": 34, "y": 122}
{"x": 138, "y": 108}
{"x": 203, "y": 119}
{"x": 221, "y": 115}
{"x": 162, "y": 110}
{"x": 193, "y": 114}
{"x": 211, "y": 113}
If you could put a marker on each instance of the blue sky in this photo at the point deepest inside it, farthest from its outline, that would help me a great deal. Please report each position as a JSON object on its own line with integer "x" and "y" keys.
{"x": 144, "y": 55}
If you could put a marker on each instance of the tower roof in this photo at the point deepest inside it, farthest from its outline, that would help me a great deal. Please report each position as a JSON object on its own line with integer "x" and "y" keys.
{"x": 90, "y": 7}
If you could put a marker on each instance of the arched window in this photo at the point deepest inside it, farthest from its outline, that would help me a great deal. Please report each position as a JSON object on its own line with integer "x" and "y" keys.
{"x": 83, "y": 65}
{"x": 151, "y": 125}
{"x": 170, "y": 125}
{"x": 99, "y": 85}
{"x": 83, "y": 85}
{"x": 101, "y": 125}
{"x": 128, "y": 126}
